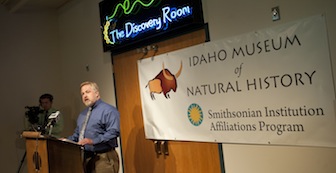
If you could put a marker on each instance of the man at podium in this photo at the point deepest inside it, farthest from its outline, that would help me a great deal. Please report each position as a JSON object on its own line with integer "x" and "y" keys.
{"x": 97, "y": 130}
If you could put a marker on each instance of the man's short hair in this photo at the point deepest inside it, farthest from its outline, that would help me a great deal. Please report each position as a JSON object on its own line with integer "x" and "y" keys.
{"x": 46, "y": 96}
{"x": 92, "y": 84}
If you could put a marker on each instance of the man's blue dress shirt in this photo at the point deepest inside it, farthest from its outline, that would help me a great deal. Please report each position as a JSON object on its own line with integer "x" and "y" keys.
{"x": 103, "y": 127}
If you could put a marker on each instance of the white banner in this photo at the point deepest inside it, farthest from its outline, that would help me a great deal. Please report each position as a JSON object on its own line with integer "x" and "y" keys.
{"x": 272, "y": 86}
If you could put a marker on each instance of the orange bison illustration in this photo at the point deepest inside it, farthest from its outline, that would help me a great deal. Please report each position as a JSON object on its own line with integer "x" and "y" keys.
{"x": 163, "y": 82}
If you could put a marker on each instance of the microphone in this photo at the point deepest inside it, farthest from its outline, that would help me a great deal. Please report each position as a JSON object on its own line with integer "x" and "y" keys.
{"x": 54, "y": 115}
{"x": 53, "y": 118}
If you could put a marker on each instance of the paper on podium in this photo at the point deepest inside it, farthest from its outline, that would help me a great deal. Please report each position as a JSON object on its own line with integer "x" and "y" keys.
{"x": 67, "y": 140}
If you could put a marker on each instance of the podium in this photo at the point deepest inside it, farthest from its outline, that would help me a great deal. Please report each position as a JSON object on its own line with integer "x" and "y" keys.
{"x": 50, "y": 155}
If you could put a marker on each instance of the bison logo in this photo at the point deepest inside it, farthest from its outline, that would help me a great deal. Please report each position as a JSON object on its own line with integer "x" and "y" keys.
{"x": 163, "y": 82}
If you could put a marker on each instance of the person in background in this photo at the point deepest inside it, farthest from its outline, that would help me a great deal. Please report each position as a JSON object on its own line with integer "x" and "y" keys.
{"x": 98, "y": 127}
{"x": 42, "y": 119}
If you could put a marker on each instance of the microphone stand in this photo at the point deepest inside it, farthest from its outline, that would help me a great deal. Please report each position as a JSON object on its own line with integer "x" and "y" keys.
{"x": 50, "y": 129}
{"x": 50, "y": 125}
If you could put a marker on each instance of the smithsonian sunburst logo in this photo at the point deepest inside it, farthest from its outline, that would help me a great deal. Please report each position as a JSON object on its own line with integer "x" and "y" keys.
{"x": 195, "y": 114}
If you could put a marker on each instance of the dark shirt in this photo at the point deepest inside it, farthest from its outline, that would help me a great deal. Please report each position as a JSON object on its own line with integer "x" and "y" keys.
{"x": 103, "y": 127}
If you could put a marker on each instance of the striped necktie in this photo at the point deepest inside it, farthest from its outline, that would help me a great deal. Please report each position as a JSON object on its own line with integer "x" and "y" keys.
{"x": 81, "y": 134}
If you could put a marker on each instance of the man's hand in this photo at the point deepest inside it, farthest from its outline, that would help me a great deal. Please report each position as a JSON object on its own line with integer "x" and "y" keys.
{"x": 85, "y": 141}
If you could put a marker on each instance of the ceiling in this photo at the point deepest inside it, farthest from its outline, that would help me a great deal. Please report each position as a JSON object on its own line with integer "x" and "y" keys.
{"x": 32, "y": 5}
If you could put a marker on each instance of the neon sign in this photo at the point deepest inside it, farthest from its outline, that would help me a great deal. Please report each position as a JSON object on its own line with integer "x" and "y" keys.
{"x": 125, "y": 22}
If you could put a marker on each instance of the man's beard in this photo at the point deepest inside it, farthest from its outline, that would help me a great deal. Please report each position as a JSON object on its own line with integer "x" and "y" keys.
{"x": 88, "y": 103}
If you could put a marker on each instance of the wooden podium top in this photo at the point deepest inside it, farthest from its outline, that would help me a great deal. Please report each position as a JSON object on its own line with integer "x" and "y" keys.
{"x": 38, "y": 135}
{"x": 31, "y": 134}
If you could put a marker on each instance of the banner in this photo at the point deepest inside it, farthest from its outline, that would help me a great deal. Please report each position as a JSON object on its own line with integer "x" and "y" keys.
{"x": 272, "y": 86}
